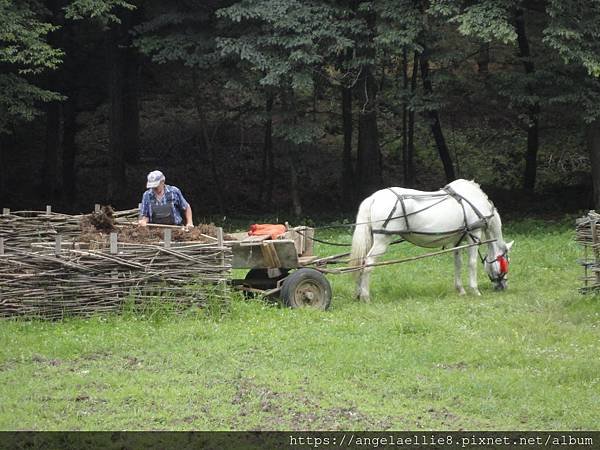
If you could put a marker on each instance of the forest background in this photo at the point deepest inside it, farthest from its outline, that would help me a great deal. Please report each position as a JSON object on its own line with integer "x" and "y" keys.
{"x": 298, "y": 107}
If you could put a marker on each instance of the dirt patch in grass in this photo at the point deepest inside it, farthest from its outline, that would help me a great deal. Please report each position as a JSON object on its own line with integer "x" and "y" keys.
{"x": 296, "y": 411}
{"x": 461, "y": 365}
{"x": 95, "y": 356}
{"x": 445, "y": 417}
{"x": 43, "y": 360}
{"x": 131, "y": 362}
{"x": 8, "y": 365}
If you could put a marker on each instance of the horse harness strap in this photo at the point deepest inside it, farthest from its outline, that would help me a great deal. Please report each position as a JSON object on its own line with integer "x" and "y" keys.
{"x": 400, "y": 199}
{"x": 449, "y": 192}
{"x": 481, "y": 222}
{"x": 460, "y": 199}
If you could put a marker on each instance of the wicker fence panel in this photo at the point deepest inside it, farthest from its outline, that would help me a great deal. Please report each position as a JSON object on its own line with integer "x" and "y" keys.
{"x": 45, "y": 272}
{"x": 588, "y": 236}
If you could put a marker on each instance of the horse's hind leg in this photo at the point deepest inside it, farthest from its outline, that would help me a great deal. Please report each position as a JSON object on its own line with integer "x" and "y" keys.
{"x": 457, "y": 272}
{"x": 380, "y": 244}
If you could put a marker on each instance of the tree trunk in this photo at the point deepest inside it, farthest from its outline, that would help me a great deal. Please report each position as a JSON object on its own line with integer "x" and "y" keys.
{"x": 483, "y": 59}
{"x": 69, "y": 148}
{"x": 404, "y": 115}
{"x": 131, "y": 75}
{"x": 131, "y": 108}
{"x": 4, "y": 146}
{"x": 593, "y": 139}
{"x": 288, "y": 101}
{"x": 409, "y": 157}
{"x": 347, "y": 182}
{"x": 208, "y": 145}
{"x": 48, "y": 188}
{"x": 54, "y": 81}
{"x": 434, "y": 120}
{"x": 268, "y": 164}
{"x": 116, "y": 165}
{"x": 368, "y": 157}
{"x": 533, "y": 110}
{"x": 8, "y": 143}
{"x": 290, "y": 150}
{"x": 368, "y": 154}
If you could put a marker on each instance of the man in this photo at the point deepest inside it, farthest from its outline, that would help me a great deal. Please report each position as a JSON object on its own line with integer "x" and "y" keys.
{"x": 164, "y": 204}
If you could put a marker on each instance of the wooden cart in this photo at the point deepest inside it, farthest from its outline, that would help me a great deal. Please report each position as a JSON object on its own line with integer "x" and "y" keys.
{"x": 278, "y": 268}
{"x": 281, "y": 266}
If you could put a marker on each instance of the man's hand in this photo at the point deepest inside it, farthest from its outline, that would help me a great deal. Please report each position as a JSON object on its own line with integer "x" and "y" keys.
{"x": 188, "y": 227}
{"x": 143, "y": 222}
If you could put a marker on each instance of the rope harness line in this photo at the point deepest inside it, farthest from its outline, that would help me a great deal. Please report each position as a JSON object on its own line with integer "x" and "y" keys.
{"x": 337, "y": 244}
{"x": 398, "y": 261}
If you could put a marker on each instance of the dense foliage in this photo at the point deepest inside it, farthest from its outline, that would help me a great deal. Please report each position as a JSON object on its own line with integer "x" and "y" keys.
{"x": 290, "y": 105}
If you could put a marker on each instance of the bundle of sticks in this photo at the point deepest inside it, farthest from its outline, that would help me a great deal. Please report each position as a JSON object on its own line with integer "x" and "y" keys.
{"x": 19, "y": 229}
{"x": 588, "y": 235}
{"x": 51, "y": 281}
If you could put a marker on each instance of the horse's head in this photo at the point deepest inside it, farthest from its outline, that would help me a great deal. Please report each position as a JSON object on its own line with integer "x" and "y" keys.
{"x": 496, "y": 264}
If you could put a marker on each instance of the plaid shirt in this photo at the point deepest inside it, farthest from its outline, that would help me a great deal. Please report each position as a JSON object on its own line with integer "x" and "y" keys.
{"x": 172, "y": 195}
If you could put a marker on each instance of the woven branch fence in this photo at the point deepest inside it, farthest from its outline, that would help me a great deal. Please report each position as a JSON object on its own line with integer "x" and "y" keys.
{"x": 588, "y": 235}
{"x": 20, "y": 229}
{"x": 45, "y": 272}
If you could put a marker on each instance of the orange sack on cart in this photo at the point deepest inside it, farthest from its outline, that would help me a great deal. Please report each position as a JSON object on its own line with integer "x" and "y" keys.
{"x": 267, "y": 229}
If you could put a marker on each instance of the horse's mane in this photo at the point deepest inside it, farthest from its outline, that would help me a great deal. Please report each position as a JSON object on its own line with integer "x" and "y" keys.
{"x": 475, "y": 184}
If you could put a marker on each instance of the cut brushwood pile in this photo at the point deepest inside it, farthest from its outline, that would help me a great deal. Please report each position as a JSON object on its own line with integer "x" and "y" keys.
{"x": 20, "y": 229}
{"x": 588, "y": 235}
{"x": 95, "y": 228}
{"x": 47, "y": 270}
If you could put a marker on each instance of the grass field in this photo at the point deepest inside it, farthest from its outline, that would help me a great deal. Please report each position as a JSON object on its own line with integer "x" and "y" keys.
{"x": 417, "y": 357}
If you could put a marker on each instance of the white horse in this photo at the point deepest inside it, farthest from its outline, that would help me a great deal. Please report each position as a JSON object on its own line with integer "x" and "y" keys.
{"x": 460, "y": 213}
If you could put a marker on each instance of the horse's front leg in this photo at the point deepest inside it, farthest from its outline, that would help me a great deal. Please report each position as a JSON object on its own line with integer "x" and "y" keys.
{"x": 380, "y": 244}
{"x": 472, "y": 251}
{"x": 457, "y": 272}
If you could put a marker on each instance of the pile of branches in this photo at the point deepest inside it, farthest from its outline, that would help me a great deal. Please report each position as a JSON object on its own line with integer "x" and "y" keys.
{"x": 19, "y": 229}
{"x": 588, "y": 235}
{"x": 96, "y": 227}
{"x": 51, "y": 284}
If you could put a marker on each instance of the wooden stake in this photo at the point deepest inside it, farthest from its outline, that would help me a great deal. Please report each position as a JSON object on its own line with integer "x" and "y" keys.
{"x": 594, "y": 230}
{"x": 114, "y": 250}
{"x": 58, "y": 244}
{"x": 220, "y": 243}
{"x": 1, "y": 246}
{"x": 48, "y": 209}
{"x": 167, "y": 237}
{"x": 113, "y": 244}
{"x": 5, "y": 211}
{"x": 97, "y": 207}
{"x": 220, "y": 236}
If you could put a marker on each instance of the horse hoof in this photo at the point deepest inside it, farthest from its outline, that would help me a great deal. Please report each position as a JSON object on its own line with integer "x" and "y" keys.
{"x": 476, "y": 292}
{"x": 461, "y": 291}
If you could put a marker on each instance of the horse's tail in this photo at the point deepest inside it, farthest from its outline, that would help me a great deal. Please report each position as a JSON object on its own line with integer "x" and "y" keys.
{"x": 362, "y": 239}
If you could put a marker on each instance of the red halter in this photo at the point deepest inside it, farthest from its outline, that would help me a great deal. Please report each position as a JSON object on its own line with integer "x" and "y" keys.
{"x": 503, "y": 264}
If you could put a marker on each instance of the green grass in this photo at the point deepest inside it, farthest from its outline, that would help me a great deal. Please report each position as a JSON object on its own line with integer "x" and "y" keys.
{"x": 418, "y": 356}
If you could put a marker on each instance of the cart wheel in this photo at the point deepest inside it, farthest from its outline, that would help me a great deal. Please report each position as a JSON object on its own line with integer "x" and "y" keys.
{"x": 306, "y": 287}
{"x": 259, "y": 279}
